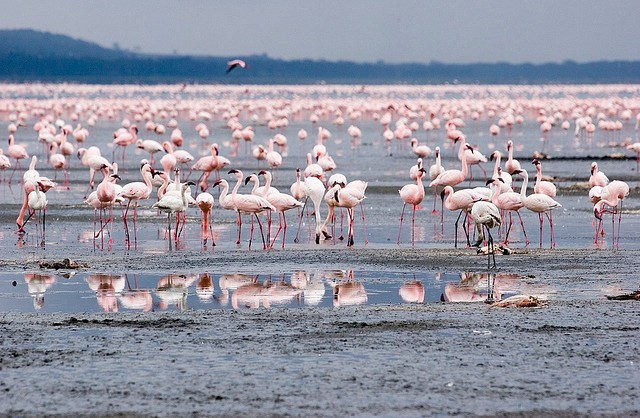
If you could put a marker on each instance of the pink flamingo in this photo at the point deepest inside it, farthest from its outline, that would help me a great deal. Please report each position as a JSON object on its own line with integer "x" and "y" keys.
{"x": 413, "y": 194}
{"x": 207, "y": 165}
{"x": 136, "y": 191}
{"x": 451, "y": 178}
{"x": 17, "y": 152}
{"x": 124, "y": 139}
{"x": 106, "y": 195}
{"x": 4, "y": 162}
{"x": 282, "y": 202}
{"x": 349, "y": 197}
{"x": 540, "y": 204}
{"x": 434, "y": 171}
{"x": 473, "y": 156}
{"x": 612, "y": 195}
{"x": 57, "y": 162}
{"x": 511, "y": 164}
{"x": 249, "y": 204}
{"x": 205, "y": 202}
{"x": 91, "y": 158}
{"x": 542, "y": 186}
{"x": 597, "y": 178}
{"x": 508, "y": 202}
{"x": 463, "y": 201}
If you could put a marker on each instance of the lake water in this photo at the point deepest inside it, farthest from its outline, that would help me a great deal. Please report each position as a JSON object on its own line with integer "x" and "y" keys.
{"x": 383, "y": 164}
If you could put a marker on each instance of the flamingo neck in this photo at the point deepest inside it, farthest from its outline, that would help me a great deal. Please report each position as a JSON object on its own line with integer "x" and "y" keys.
{"x": 525, "y": 183}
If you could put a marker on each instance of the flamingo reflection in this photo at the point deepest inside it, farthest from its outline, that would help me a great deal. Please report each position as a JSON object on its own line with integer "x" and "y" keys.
{"x": 268, "y": 293}
{"x": 172, "y": 289}
{"x": 348, "y": 292}
{"x": 412, "y": 291}
{"x": 108, "y": 288}
{"x": 134, "y": 298}
{"x": 37, "y": 285}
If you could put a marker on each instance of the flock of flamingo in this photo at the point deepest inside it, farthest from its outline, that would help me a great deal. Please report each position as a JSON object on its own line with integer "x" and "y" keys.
{"x": 221, "y": 118}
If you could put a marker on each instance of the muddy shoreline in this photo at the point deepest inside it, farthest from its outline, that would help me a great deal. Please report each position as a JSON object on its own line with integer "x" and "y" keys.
{"x": 577, "y": 357}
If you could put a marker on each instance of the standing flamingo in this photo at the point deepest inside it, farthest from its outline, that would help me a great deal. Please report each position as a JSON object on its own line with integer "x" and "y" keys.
{"x": 412, "y": 194}
{"x": 508, "y": 202}
{"x": 315, "y": 191}
{"x": 434, "y": 171}
{"x": 205, "y": 202}
{"x": 511, "y": 164}
{"x": 612, "y": 195}
{"x": 540, "y": 204}
{"x": 451, "y": 178}
{"x": 17, "y": 152}
{"x": 136, "y": 191}
{"x": 249, "y": 204}
{"x": 349, "y": 197}
{"x": 170, "y": 203}
{"x": 542, "y": 186}
{"x": 597, "y": 178}
{"x": 487, "y": 216}
{"x": 123, "y": 138}
{"x": 463, "y": 201}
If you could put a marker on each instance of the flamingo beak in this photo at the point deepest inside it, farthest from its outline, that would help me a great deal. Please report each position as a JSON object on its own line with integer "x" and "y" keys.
{"x": 597, "y": 214}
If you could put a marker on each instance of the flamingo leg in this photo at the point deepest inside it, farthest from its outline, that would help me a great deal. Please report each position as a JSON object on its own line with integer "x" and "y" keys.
{"x": 401, "y": 218}
{"x": 300, "y": 220}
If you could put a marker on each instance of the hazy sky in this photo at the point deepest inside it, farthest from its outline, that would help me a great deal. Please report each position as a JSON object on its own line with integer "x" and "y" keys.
{"x": 449, "y": 31}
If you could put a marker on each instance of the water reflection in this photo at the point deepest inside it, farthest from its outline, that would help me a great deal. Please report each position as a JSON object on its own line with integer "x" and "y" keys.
{"x": 348, "y": 292}
{"x": 300, "y": 288}
{"x": 108, "y": 288}
{"x": 37, "y": 285}
{"x": 172, "y": 290}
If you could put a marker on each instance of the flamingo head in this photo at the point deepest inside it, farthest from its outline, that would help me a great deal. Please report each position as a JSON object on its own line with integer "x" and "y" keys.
{"x": 598, "y": 209}
{"x": 535, "y": 162}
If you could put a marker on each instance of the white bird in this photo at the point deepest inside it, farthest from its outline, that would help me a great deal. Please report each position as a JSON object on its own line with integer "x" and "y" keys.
{"x": 486, "y": 215}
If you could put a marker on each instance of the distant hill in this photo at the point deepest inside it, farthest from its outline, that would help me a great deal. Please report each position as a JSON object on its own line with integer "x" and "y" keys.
{"x": 27, "y": 56}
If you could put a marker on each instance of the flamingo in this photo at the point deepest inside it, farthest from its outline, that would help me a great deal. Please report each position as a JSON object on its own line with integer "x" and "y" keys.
{"x": 134, "y": 192}
{"x": 538, "y": 203}
{"x": 150, "y": 146}
{"x": 434, "y": 171}
{"x": 511, "y": 164}
{"x": 249, "y": 204}
{"x": 486, "y": 215}
{"x": 315, "y": 190}
{"x": 91, "y": 158}
{"x": 313, "y": 169}
{"x": 170, "y": 203}
{"x": 542, "y": 186}
{"x": 473, "y": 156}
{"x": 612, "y": 195}
{"x": 209, "y": 164}
{"x": 205, "y": 202}
{"x": 597, "y": 178}
{"x": 508, "y": 202}
{"x": 505, "y": 185}
{"x": 635, "y": 147}
{"x": 106, "y": 194}
{"x": 349, "y": 197}
{"x": 282, "y": 202}
{"x": 463, "y": 201}
{"x": 412, "y": 194}
{"x": 124, "y": 138}
{"x": 451, "y": 178}
{"x": 17, "y": 152}
{"x": 421, "y": 150}
{"x": 233, "y": 64}
{"x": 4, "y": 162}
{"x": 57, "y": 162}
{"x": 226, "y": 202}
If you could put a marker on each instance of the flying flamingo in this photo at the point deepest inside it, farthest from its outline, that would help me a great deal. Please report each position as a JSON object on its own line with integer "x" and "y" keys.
{"x": 231, "y": 65}
{"x": 136, "y": 191}
{"x": 487, "y": 216}
{"x": 17, "y": 152}
{"x": 542, "y": 186}
{"x": 205, "y": 202}
{"x": 540, "y": 204}
{"x": 412, "y": 194}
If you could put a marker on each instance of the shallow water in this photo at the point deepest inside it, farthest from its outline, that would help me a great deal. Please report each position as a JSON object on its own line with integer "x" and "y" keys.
{"x": 70, "y": 229}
